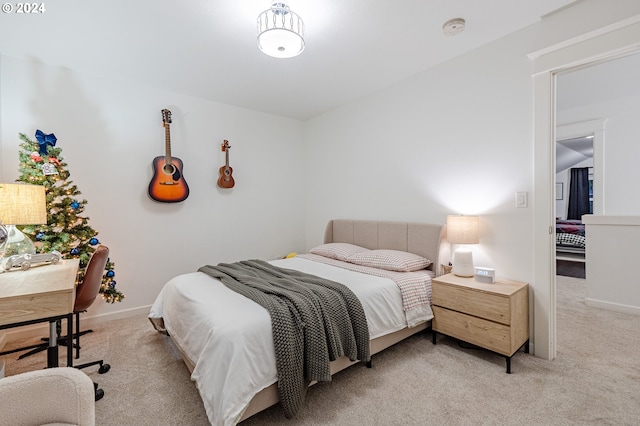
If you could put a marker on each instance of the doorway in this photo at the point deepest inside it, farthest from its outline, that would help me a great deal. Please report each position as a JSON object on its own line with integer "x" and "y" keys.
{"x": 574, "y": 157}
{"x": 578, "y": 145}
{"x": 591, "y": 48}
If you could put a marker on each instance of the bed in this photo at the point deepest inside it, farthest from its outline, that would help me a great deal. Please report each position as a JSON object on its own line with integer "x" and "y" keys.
{"x": 225, "y": 339}
{"x": 570, "y": 238}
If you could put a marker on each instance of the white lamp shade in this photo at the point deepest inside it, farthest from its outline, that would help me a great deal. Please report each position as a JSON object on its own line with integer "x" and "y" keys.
{"x": 280, "y": 43}
{"x": 280, "y": 32}
{"x": 462, "y": 229}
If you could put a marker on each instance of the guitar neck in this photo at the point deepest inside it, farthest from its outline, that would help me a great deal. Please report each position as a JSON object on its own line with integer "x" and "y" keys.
{"x": 167, "y": 143}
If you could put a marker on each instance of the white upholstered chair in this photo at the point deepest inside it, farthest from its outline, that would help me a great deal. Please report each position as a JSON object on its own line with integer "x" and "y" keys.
{"x": 53, "y": 396}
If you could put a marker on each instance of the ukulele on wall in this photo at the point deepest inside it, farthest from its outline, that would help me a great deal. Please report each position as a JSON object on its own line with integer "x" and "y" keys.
{"x": 226, "y": 179}
{"x": 168, "y": 184}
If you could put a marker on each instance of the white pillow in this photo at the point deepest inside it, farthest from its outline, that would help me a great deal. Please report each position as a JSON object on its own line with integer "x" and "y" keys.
{"x": 339, "y": 251}
{"x": 391, "y": 260}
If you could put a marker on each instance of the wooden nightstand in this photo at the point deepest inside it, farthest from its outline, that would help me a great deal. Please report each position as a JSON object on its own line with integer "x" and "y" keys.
{"x": 492, "y": 316}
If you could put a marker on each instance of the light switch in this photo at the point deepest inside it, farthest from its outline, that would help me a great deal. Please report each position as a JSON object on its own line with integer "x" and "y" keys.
{"x": 521, "y": 200}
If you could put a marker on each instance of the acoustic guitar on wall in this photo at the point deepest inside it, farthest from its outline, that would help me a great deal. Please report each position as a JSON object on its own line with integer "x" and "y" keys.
{"x": 168, "y": 184}
{"x": 226, "y": 179}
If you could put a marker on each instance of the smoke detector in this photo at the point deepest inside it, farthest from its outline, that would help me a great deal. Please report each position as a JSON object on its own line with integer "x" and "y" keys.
{"x": 453, "y": 26}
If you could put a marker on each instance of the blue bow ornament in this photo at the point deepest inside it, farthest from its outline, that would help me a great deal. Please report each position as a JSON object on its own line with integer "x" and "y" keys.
{"x": 44, "y": 140}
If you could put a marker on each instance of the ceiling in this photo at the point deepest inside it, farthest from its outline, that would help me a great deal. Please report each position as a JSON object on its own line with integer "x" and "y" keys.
{"x": 570, "y": 152}
{"x": 207, "y": 48}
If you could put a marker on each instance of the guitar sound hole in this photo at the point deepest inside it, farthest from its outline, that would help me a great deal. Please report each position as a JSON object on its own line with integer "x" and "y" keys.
{"x": 169, "y": 169}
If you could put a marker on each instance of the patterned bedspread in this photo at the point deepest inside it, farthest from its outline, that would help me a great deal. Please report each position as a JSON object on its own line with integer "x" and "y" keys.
{"x": 564, "y": 226}
{"x": 415, "y": 287}
{"x": 570, "y": 240}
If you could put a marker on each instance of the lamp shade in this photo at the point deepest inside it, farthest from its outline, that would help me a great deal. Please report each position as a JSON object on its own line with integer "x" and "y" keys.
{"x": 22, "y": 204}
{"x": 462, "y": 230}
{"x": 280, "y": 32}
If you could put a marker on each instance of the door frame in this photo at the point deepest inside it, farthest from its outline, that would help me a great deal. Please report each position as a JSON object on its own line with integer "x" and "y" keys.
{"x": 604, "y": 44}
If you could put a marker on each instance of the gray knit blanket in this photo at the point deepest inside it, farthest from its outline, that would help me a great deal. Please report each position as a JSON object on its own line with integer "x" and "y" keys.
{"x": 313, "y": 321}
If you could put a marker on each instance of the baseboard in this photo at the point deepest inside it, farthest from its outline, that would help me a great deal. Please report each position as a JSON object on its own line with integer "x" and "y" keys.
{"x": 127, "y": 313}
{"x": 42, "y": 329}
{"x": 611, "y": 306}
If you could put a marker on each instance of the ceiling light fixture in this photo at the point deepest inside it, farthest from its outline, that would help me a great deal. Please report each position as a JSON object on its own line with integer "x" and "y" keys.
{"x": 280, "y": 32}
{"x": 453, "y": 26}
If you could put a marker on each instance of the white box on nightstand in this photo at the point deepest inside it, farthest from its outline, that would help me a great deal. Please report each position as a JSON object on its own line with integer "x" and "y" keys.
{"x": 485, "y": 275}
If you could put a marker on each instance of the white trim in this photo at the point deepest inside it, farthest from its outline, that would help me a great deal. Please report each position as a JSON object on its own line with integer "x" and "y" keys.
{"x": 600, "y": 48}
{"x": 584, "y": 37}
{"x": 590, "y": 219}
{"x": 41, "y": 329}
{"x": 610, "y": 306}
{"x": 127, "y": 313}
{"x": 544, "y": 310}
{"x": 608, "y": 42}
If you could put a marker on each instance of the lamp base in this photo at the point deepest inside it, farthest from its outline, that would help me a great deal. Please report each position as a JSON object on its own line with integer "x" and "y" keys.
{"x": 16, "y": 243}
{"x": 463, "y": 263}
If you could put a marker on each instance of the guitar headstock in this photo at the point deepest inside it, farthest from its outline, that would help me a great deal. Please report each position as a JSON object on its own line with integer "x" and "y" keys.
{"x": 225, "y": 145}
{"x": 166, "y": 116}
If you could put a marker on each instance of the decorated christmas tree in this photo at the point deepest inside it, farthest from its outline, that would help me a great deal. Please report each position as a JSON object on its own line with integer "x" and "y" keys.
{"x": 66, "y": 231}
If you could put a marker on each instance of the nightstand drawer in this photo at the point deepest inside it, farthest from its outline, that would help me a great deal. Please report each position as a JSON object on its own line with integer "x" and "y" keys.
{"x": 487, "y": 334}
{"x": 493, "y": 307}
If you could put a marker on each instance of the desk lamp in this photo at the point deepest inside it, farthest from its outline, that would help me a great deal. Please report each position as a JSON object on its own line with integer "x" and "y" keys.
{"x": 462, "y": 230}
{"x": 20, "y": 204}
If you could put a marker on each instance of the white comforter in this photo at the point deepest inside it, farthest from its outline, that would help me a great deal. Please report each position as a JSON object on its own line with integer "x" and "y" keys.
{"x": 228, "y": 337}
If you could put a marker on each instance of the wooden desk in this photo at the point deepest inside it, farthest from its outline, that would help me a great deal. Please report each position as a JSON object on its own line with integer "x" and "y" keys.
{"x": 40, "y": 294}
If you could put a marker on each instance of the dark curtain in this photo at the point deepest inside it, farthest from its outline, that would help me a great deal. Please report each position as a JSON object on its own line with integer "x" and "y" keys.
{"x": 579, "y": 193}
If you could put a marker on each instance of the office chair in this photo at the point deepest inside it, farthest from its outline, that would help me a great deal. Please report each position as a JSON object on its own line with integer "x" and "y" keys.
{"x": 86, "y": 294}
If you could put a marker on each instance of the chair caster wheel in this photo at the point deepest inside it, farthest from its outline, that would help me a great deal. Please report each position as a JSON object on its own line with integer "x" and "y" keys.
{"x": 104, "y": 368}
{"x": 99, "y": 394}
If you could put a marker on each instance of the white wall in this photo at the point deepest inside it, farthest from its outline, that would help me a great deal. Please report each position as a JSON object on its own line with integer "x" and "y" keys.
{"x": 110, "y": 131}
{"x": 612, "y": 255}
{"x": 458, "y": 138}
{"x": 454, "y": 139}
{"x": 621, "y": 149}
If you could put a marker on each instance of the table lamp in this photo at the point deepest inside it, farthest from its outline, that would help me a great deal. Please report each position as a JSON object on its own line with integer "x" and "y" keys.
{"x": 462, "y": 230}
{"x": 20, "y": 204}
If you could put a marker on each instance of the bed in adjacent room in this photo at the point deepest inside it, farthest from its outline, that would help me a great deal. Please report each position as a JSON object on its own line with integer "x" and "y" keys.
{"x": 570, "y": 236}
{"x": 570, "y": 248}
{"x": 226, "y": 339}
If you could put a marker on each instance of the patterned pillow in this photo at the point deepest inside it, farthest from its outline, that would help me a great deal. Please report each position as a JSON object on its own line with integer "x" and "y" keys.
{"x": 338, "y": 251}
{"x": 391, "y": 260}
{"x": 571, "y": 240}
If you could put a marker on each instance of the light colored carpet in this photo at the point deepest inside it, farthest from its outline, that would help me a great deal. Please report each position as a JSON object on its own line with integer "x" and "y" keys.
{"x": 594, "y": 380}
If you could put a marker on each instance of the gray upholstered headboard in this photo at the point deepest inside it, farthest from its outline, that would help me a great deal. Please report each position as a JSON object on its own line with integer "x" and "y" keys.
{"x": 423, "y": 239}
